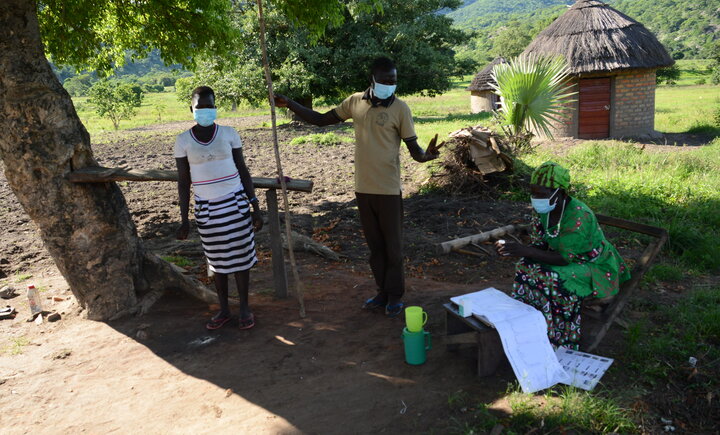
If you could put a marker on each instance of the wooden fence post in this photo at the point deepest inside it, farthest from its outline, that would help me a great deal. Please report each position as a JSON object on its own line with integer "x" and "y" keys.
{"x": 278, "y": 257}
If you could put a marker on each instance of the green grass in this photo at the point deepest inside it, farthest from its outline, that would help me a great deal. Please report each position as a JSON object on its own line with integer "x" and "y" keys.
{"x": 454, "y": 102}
{"x": 679, "y": 191}
{"x": 692, "y": 71}
{"x": 170, "y": 110}
{"x": 687, "y": 109}
{"x": 567, "y": 409}
{"x": 268, "y": 124}
{"x": 23, "y": 277}
{"x": 690, "y": 328}
{"x": 17, "y": 345}
{"x": 178, "y": 260}
{"x": 665, "y": 272}
{"x": 562, "y": 410}
{"x": 321, "y": 139}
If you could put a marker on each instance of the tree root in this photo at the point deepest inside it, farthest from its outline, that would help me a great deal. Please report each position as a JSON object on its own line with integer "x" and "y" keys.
{"x": 162, "y": 276}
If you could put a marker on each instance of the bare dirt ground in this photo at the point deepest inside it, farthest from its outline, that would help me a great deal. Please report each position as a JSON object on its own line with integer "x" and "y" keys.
{"x": 339, "y": 370}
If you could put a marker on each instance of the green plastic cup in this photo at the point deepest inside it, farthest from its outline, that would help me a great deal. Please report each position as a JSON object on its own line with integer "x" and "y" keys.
{"x": 416, "y": 346}
{"x": 415, "y": 318}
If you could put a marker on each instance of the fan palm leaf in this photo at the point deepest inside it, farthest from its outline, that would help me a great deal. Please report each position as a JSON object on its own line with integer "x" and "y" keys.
{"x": 534, "y": 90}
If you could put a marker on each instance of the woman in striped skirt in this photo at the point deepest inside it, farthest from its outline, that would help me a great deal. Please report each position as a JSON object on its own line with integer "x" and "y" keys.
{"x": 209, "y": 157}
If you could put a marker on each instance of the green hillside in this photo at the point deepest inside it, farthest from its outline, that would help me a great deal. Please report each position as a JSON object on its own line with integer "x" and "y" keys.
{"x": 686, "y": 27}
{"x": 479, "y": 14}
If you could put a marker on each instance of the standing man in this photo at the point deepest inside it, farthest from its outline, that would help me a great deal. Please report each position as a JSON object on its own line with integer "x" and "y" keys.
{"x": 380, "y": 120}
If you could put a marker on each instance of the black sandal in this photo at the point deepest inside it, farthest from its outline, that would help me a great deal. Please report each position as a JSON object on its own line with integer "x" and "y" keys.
{"x": 247, "y": 323}
{"x": 217, "y": 322}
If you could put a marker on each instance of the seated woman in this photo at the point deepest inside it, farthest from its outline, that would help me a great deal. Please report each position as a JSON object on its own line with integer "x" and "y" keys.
{"x": 568, "y": 258}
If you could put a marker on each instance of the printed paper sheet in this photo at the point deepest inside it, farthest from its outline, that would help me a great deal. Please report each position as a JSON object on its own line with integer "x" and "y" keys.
{"x": 523, "y": 333}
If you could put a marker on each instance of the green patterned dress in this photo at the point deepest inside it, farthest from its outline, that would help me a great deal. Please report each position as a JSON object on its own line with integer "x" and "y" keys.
{"x": 594, "y": 269}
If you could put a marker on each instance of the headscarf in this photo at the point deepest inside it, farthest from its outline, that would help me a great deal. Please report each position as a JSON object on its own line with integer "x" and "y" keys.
{"x": 551, "y": 175}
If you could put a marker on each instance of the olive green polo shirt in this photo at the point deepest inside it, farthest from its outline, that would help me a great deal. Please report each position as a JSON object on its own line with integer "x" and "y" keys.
{"x": 378, "y": 131}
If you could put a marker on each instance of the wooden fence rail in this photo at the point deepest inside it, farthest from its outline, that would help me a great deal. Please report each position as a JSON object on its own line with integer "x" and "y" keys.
{"x": 99, "y": 174}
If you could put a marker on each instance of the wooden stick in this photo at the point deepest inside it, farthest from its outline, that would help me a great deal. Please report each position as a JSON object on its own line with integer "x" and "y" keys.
{"x": 467, "y": 252}
{"x": 286, "y": 205}
{"x": 278, "y": 258}
{"x": 99, "y": 174}
{"x": 450, "y": 245}
{"x": 475, "y": 245}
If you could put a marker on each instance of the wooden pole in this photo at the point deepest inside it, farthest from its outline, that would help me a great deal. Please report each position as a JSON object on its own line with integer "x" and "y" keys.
{"x": 451, "y": 245}
{"x": 286, "y": 205}
{"x": 278, "y": 259}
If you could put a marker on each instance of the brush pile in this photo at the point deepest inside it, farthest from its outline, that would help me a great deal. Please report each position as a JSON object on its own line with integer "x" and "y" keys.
{"x": 473, "y": 154}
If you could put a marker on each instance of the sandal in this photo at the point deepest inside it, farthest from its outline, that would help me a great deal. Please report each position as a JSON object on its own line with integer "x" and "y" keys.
{"x": 247, "y": 323}
{"x": 217, "y": 322}
{"x": 374, "y": 303}
{"x": 7, "y": 313}
{"x": 394, "y": 310}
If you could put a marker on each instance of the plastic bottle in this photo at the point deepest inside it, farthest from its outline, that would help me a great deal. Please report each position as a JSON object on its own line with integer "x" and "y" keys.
{"x": 34, "y": 300}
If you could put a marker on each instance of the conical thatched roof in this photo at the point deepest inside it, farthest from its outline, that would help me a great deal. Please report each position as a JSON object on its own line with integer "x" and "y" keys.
{"x": 594, "y": 37}
{"x": 483, "y": 79}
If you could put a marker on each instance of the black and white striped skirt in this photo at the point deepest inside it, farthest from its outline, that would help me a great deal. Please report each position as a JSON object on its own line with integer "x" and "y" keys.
{"x": 226, "y": 232}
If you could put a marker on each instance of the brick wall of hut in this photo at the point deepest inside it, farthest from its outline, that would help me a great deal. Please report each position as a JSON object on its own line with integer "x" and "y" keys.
{"x": 633, "y": 102}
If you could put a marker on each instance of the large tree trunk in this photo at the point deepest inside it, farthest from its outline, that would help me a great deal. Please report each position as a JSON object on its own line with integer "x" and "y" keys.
{"x": 86, "y": 227}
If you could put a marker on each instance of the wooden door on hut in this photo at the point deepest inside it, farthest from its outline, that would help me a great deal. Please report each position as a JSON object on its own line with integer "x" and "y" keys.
{"x": 594, "y": 119}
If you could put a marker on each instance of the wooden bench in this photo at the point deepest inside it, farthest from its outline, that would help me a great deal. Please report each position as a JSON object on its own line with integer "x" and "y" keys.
{"x": 460, "y": 330}
{"x": 99, "y": 174}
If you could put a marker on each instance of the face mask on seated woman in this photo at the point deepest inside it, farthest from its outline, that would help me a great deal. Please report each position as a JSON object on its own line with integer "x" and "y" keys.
{"x": 542, "y": 205}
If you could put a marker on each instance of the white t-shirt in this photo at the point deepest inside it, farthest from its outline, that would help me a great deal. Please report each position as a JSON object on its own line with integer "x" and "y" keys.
{"x": 212, "y": 168}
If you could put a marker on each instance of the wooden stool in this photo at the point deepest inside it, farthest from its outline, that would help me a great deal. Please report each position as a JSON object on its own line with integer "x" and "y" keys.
{"x": 461, "y": 330}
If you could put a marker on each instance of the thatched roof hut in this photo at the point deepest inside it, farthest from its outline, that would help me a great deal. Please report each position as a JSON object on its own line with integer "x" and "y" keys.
{"x": 482, "y": 95}
{"x": 483, "y": 80}
{"x": 613, "y": 59}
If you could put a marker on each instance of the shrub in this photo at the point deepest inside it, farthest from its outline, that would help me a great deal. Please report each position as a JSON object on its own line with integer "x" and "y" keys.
{"x": 322, "y": 139}
{"x": 116, "y": 100}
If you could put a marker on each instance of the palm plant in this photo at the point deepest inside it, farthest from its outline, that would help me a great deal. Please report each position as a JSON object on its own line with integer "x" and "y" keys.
{"x": 533, "y": 90}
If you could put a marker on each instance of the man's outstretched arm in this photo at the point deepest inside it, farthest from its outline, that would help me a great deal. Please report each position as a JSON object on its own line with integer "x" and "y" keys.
{"x": 307, "y": 115}
{"x": 417, "y": 153}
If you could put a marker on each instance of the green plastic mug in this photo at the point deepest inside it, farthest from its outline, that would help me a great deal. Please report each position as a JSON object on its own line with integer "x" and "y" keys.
{"x": 415, "y": 318}
{"x": 416, "y": 346}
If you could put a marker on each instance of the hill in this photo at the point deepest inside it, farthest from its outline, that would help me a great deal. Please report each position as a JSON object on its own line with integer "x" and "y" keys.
{"x": 686, "y": 27}
{"x": 477, "y": 14}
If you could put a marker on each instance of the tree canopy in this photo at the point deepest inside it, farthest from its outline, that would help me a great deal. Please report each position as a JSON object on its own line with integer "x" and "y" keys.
{"x": 411, "y": 32}
{"x": 97, "y": 34}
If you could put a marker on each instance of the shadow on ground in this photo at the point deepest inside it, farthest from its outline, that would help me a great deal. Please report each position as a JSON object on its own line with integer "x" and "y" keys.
{"x": 339, "y": 370}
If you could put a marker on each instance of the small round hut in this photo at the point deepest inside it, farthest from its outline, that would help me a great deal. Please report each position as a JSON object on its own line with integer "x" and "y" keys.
{"x": 612, "y": 59}
{"x": 482, "y": 95}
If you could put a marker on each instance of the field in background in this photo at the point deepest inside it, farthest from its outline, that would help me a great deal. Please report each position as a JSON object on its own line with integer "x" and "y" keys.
{"x": 684, "y": 107}
{"x": 693, "y": 71}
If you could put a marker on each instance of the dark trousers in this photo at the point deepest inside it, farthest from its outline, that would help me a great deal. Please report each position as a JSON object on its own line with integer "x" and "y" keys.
{"x": 381, "y": 217}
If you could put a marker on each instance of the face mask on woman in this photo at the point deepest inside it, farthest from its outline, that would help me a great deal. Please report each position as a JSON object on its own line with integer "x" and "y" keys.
{"x": 205, "y": 117}
{"x": 382, "y": 91}
{"x": 542, "y": 205}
